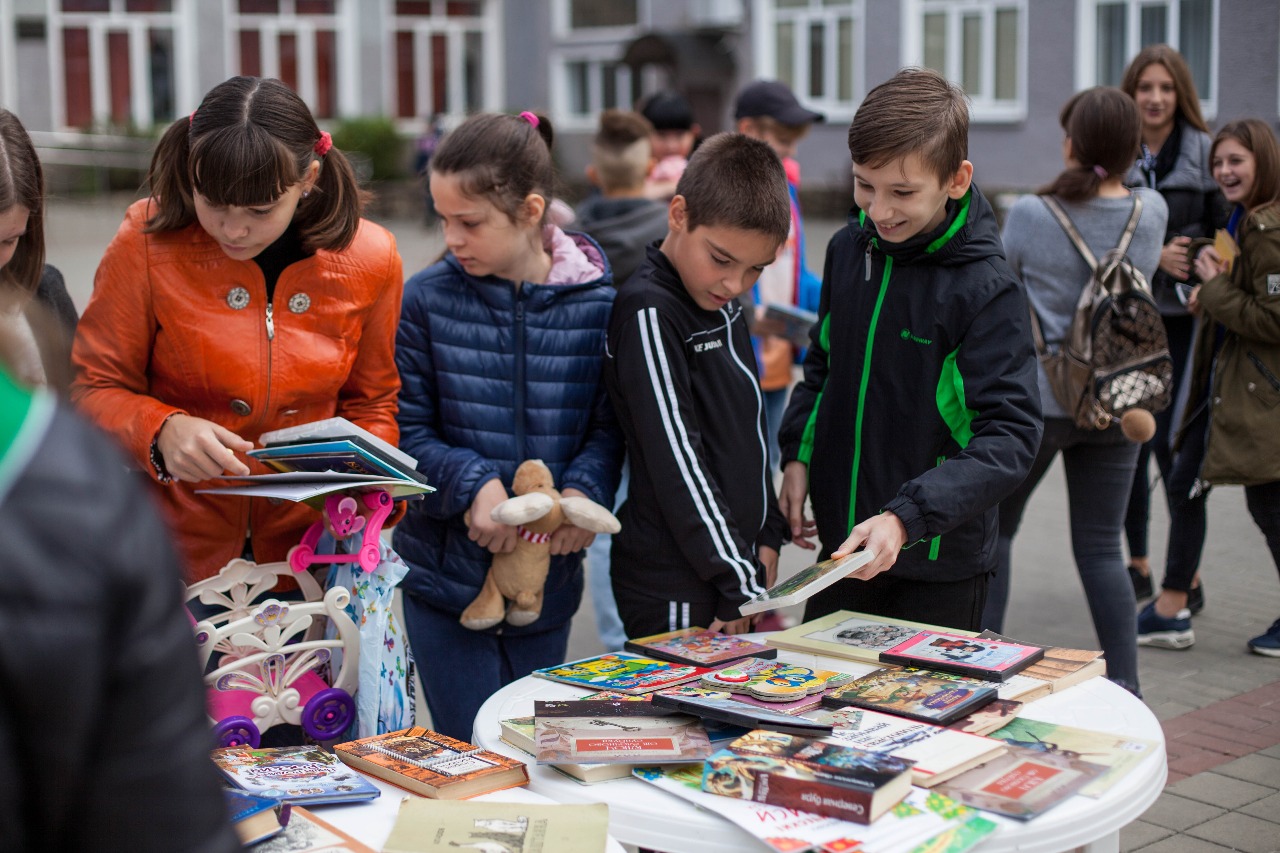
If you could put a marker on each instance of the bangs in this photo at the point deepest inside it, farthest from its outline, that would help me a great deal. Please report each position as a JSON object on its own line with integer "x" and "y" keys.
{"x": 242, "y": 166}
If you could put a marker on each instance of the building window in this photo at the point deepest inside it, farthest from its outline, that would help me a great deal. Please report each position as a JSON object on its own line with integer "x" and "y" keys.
{"x": 114, "y": 61}
{"x": 978, "y": 44}
{"x": 295, "y": 41}
{"x": 587, "y": 74}
{"x": 437, "y": 49}
{"x": 1113, "y": 31}
{"x": 816, "y": 48}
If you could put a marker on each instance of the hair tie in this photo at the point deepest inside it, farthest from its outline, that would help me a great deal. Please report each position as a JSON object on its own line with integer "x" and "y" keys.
{"x": 323, "y": 144}
{"x": 1100, "y": 172}
{"x": 191, "y": 120}
{"x": 529, "y": 117}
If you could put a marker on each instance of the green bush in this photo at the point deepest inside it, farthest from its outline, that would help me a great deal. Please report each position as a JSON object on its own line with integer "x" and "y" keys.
{"x": 377, "y": 140}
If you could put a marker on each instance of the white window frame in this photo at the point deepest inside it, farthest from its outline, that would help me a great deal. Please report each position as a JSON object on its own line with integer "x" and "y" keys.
{"x": 136, "y": 25}
{"x": 766, "y": 15}
{"x": 1087, "y": 42}
{"x": 983, "y": 108}
{"x": 455, "y": 30}
{"x": 598, "y": 47}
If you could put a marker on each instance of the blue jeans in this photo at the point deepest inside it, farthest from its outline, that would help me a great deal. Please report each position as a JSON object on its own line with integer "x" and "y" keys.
{"x": 608, "y": 622}
{"x": 1099, "y": 468}
{"x": 461, "y": 668}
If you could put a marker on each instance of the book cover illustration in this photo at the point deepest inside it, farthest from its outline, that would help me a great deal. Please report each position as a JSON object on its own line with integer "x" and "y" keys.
{"x": 576, "y": 732}
{"x": 990, "y": 660}
{"x": 699, "y": 647}
{"x": 1061, "y": 667}
{"x": 306, "y": 833}
{"x": 432, "y": 764}
{"x": 862, "y": 767}
{"x": 623, "y": 672}
{"x": 423, "y": 826}
{"x": 1119, "y": 754}
{"x": 806, "y": 583}
{"x": 772, "y": 680}
{"x": 846, "y": 634}
{"x": 994, "y": 715}
{"x": 1022, "y": 783}
{"x": 917, "y": 695}
{"x": 717, "y": 705}
{"x": 938, "y": 753}
{"x": 1018, "y": 687}
{"x": 347, "y": 454}
{"x": 920, "y": 817}
{"x": 294, "y": 774}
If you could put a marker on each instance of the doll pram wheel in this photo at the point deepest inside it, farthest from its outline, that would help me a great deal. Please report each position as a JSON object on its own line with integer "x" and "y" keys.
{"x": 328, "y": 714}
{"x": 237, "y": 731}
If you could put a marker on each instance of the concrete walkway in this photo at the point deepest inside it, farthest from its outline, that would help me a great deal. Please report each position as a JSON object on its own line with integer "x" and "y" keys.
{"x": 1220, "y": 705}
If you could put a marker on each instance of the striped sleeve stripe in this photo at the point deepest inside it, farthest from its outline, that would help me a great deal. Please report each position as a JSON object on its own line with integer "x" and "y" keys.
{"x": 678, "y": 437}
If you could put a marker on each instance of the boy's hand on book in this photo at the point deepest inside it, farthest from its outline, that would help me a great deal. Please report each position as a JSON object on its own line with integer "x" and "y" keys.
{"x": 494, "y": 536}
{"x": 795, "y": 488}
{"x": 194, "y": 449}
{"x": 769, "y": 559}
{"x": 737, "y": 626}
{"x": 883, "y": 534}
{"x": 568, "y": 539}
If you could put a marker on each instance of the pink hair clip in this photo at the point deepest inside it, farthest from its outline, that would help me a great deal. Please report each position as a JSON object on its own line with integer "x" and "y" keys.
{"x": 1100, "y": 172}
{"x": 529, "y": 117}
{"x": 323, "y": 144}
{"x": 191, "y": 119}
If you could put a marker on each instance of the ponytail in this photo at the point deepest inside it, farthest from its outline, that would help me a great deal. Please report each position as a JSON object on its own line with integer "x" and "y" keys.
{"x": 169, "y": 180}
{"x": 330, "y": 216}
{"x": 1105, "y": 131}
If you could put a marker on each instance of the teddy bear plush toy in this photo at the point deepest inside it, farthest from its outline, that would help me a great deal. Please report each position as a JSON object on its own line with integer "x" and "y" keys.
{"x": 513, "y": 588}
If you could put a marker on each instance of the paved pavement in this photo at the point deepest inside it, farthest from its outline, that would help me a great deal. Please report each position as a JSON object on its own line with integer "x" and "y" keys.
{"x": 1220, "y": 705}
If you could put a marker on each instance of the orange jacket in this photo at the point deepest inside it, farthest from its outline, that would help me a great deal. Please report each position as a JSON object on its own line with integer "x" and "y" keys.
{"x": 169, "y": 330}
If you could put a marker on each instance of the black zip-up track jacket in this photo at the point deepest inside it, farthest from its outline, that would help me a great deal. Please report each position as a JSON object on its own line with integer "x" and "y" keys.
{"x": 919, "y": 395}
{"x": 684, "y": 383}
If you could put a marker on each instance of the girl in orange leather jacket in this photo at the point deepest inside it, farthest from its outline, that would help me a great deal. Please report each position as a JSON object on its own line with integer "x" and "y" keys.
{"x": 245, "y": 295}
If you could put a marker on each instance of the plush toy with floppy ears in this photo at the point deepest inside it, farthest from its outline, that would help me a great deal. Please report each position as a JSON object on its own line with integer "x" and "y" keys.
{"x": 513, "y": 588}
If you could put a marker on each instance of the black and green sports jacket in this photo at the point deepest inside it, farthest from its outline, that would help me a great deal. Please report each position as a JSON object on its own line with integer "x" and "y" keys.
{"x": 919, "y": 394}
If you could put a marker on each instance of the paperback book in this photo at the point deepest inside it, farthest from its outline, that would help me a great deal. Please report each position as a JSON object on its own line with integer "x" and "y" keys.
{"x": 772, "y": 680}
{"x": 916, "y": 695}
{"x": 578, "y": 732}
{"x": 423, "y": 826}
{"x": 255, "y": 818}
{"x": 306, "y": 833}
{"x": 1023, "y": 783}
{"x": 1018, "y": 687}
{"x": 846, "y": 634}
{"x": 622, "y": 672}
{"x": 1118, "y": 754}
{"x": 432, "y": 764}
{"x": 307, "y": 487}
{"x": 806, "y": 583}
{"x": 937, "y": 753}
{"x": 988, "y": 660}
{"x": 348, "y": 454}
{"x": 994, "y": 715}
{"x": 698, "y": 647}
{"x": 292, "y": 774}
{"x": 715, "y": 705}
{"x": 1060, "y": 667}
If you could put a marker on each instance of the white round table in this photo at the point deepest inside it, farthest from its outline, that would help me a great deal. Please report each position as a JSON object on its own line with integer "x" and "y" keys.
{"x": 643, "y": 815}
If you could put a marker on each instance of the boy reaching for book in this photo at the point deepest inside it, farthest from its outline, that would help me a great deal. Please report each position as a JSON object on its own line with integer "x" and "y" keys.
{"x": 919, "y": 409}
{"x": 701, "y": 527}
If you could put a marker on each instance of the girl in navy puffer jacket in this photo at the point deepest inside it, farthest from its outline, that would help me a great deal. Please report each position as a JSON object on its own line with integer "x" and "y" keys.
{"x": 500, "y": 349}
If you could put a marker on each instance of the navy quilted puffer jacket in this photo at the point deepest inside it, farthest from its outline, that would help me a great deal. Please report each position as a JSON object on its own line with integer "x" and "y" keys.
{"x": 492, "y": 376}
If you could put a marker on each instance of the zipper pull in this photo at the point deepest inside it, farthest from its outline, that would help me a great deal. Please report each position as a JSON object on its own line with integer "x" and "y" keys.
{"x": 868, "y": 256}
{"x": 271, "y": 323}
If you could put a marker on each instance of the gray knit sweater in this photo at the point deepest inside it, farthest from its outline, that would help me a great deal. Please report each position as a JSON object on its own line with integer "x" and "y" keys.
{"x": 1052, "y": 270}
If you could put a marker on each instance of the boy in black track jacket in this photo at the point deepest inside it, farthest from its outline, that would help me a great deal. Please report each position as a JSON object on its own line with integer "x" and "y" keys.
{"x": 701, "y": 526}
{"x": 919, "y": 409}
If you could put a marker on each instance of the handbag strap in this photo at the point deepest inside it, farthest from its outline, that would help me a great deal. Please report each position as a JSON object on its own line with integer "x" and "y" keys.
{"x": 1055, "y": 207}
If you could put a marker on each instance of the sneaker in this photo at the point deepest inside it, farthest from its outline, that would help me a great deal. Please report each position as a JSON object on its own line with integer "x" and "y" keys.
{"x": 1141, "y": 583}
{"x": 1160, "y": 633}
{"x": 1195, "y": 599}
{"x": 1269, "y": 643}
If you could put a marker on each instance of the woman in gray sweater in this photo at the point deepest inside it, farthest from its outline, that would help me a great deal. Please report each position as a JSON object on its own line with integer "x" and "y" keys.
{"x": 1102, "y": 132}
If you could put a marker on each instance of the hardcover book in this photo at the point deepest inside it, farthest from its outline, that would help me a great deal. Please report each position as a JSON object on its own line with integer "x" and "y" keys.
{"x": 1060, "y": 667}
{"x": 796, "y": 322}
{"x": 423, "y": 826}
{"x": 519, "y": 732}
{"x": 1018, "y": 687}
{"x": 306, "y": 833}
{"x": 772, "y": 680}
{"x": 698, "y": 647}
{"x": 917, "y": 695}
{"x": 432, "y": 764}
{"x": 255, "y": 818}
{"x": 938, "y": 753}
{"x": 623, "y": 672}
{"x": 989, "y": 660}
{"x": 292, "y": 774}
{"x": 806, "y": 583}
{"x": 845, "y": 634}
{"x": 1022, "y": 783}
{"x": 1117, "y": 753}
{"x": 578, "y": 732}
{"x": 717, "y": 706}
{"x": 348, "y": 454}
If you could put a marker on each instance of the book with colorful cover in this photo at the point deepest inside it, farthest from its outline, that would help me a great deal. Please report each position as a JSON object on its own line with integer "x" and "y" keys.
{"x": 1119, "y": 754}
{"x": 432, "y": 764}
{"x": 988, "y": 660}
{"x": 773, "y": 680}
{"x": 806, "y": 583}
{"x": 577, "y": 732}
{"x": 1018, "y": 687}
{"x": 1023, "y": 783}
{"x": 716, "y": 705}
{"x": 938, "y": 753}
{"x": 698, "y": 647}
{"x": 915, "y": 821}
{"x": 846, "y": 634}
{"x": 255, "y": 818}
{"x": 306, "y": 833}
{"x": 292, "y": 774}
{"x": 917, "y": 695}
{"x": 796, "y": 322}
{"x": 623, "y": 672}
{"x": 423, "y": 826}
{"x": 1061, "y": 667}
{"x": 352, "y": 454}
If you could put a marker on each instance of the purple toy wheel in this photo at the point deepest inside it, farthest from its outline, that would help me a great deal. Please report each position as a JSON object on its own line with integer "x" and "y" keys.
{"x": 328, "y": 713}
{"x": 237, "y": 731}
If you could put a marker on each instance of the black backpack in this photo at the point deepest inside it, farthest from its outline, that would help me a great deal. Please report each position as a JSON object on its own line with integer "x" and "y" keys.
{"x": 1115, "y": 355}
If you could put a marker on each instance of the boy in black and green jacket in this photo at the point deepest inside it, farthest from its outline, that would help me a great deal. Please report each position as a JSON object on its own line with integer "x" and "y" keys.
{"x": 919, "y": 409}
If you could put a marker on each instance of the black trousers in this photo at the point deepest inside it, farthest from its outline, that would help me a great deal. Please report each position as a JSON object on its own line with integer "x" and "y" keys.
{"x": 950, "y": 604}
